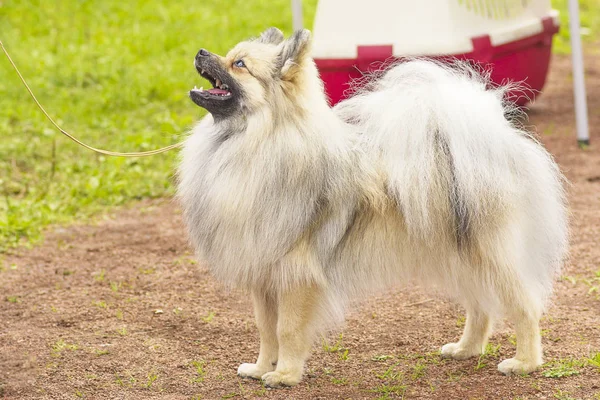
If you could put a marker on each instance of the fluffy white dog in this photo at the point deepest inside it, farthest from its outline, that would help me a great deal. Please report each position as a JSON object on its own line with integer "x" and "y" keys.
{"x": 418, "y": 177}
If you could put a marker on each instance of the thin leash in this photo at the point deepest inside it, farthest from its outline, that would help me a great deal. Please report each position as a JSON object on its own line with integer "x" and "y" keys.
{"x": 73, "y": 138}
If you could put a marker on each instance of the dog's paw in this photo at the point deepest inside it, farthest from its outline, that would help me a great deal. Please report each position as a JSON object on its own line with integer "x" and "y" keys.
{"x": 457, "y": 352}
{"x": 251, "y": 371}
{"x": 512, "y": 366}
{"x": 277, "y": 379}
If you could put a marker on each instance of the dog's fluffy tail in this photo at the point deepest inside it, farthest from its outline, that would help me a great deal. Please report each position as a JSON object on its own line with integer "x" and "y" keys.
{"x": 459, "y": 171}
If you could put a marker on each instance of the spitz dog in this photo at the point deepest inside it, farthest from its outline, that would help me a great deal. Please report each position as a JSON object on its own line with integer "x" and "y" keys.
{"x": 418, "y": 177}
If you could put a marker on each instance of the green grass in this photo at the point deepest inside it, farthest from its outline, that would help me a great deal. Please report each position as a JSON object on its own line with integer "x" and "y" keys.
{"x": 116, "y": 74}
{"x": 333, "y": 348}
{"x": 491, "y": 352}
{"x": 60, "y": 345}
{"x": 589, "y": 19}
{"x": 594, "y": 361}
{"x": 151, "y": 378}
{"x": 199, "y": 370}
{"x": 392, "y": 385}
{"x": 563, "y": 367}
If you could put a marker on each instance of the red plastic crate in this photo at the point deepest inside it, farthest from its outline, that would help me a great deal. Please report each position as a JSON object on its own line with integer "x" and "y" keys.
{"x": 524, "y": 60}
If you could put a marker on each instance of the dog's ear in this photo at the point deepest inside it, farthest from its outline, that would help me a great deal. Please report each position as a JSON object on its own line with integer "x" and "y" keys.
{"x": 294, "y": 52}
{"x": 271, "y": 36}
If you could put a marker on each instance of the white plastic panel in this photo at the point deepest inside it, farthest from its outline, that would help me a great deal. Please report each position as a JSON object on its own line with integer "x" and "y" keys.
{"x": 422, "y": 27}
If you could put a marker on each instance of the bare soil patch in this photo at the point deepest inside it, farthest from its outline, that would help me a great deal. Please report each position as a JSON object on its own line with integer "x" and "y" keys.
{"x": 119, "y": 310}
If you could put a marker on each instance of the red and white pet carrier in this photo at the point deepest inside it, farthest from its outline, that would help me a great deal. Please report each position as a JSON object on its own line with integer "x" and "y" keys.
{"x": 512, "y": 38}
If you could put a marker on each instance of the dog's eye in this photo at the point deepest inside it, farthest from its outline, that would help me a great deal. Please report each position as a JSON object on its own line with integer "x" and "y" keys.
{"x": 240, "y": 64}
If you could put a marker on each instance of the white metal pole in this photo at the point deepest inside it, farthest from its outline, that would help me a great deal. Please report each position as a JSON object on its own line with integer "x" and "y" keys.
{"x": 581, "y": 116}
{"x": 297, "y": 19}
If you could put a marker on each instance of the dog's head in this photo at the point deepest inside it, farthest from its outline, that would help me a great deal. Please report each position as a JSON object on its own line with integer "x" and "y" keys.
{"x": 254, "y": 74}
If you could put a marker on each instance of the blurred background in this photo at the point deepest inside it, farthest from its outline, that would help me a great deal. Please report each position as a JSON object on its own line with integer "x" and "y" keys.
{"x": 116, "y": 74}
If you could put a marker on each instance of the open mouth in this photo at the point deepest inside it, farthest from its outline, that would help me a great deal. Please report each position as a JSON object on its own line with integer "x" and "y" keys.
{"x": 219, "y": 90}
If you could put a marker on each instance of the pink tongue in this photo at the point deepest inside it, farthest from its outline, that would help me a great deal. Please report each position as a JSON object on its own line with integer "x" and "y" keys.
{"x": 218, "y": 91}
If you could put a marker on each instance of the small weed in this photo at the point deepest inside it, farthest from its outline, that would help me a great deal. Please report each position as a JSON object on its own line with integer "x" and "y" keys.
{"x": 336, "y": 347}
{"x": 455, "y": 376}
{"x": 147, "y": 271}
{"x": 99, "y": 277}
{"x": 460, "y": 322}
{"x": 60, "y": 346}
{"x": 418, "y": 371}
{"x": 340, "y": 381}
{"x": 13, "y": 299}
{"x": 381, "y": 358}
{"x": 67, "y": 272}
{"x": 152, "y": 377}
{"x": 208, "y": 319}
{"x": 562, "y": 368}
{"x": 119, "y": 380}
{"x": 393, "y": 383}
{"x": 570, "y": 279}
{"x": 343, "y": 355}
{"x": 130, "y": 382}
{"x": 184, "y": 260}
{"x": 480, "y": 363}
{"x": 431, "y": 386}
{"x": 390, "y": 374}
{"x": 199, "y": 367}
{"x": 101, "y": 352}
{"x": 491, "y": 351}
{"x": 119, "y": 314}
{"x": 432, "y": 357}
{"x": 79, "y": 394}
{"x": 100, "y": 304}
{"x": 544, "y": 332}
{"x": 387, "y": 390}
{"x": 122, "y": 331}
{"x": 115, "y": 286}
{"x": 512, "y": 339}
{"x": 594, "y": 360}
{"x": 559, "y": 394}
{"x": 229, "y": 396}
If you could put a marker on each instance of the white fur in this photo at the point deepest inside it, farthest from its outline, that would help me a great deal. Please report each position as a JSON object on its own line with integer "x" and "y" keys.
{"x": 419, "y": 176}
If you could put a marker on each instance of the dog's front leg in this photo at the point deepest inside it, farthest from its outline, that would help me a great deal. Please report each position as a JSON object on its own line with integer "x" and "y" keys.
{"x": 295, "y": 331}
{"x": 265, "y": 312}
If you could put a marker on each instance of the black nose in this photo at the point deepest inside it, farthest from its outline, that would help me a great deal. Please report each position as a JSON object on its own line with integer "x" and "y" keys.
{"x": 202, "y": 53}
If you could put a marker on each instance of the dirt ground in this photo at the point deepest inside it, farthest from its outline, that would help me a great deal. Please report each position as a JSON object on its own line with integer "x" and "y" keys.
{"x": 119, "y": 310}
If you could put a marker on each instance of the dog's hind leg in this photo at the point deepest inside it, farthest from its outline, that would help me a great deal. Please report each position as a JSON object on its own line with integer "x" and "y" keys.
{"x": 265, "y": 312}
{"x": 297, "y": 314}
{"x": 524, "y": 306}
{"x": 529, "y": 345}
{"x": 474, "y": 338}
